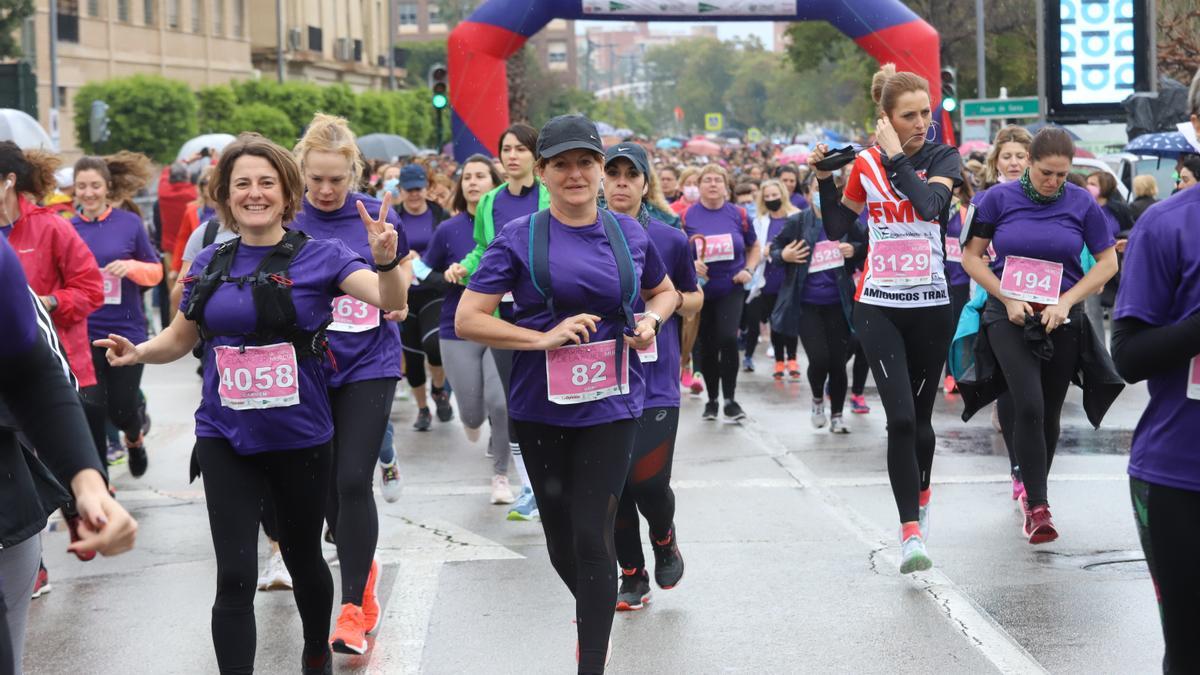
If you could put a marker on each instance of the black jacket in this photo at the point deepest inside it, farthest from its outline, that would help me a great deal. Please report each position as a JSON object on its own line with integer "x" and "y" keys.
{"x": 785, "y": 318}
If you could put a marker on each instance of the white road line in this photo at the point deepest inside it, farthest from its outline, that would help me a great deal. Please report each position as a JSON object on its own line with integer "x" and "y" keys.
{"x": 406, "y": 620}
{"x": 983, "y": 632}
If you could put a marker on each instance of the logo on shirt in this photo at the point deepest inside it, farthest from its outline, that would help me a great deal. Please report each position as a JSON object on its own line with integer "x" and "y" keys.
{"x": 892, "y": 212}
{"x": 922, "y": 173}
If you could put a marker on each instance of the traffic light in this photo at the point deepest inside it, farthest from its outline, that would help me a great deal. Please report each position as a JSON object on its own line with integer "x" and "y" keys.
{"x": 949, "y": 88}
{"x": 439, "y": 84}
{"x": 98, "y": 130}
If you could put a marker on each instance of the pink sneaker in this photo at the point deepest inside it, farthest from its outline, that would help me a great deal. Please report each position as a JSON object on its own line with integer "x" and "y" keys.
{"x": 697, "y": 383}
{"x": 686, "y": 379}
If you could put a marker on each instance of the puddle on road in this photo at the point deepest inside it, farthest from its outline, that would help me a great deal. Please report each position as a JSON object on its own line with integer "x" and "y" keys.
{"x": 1125, "y": 564}
{"x": 1072, "y": 441}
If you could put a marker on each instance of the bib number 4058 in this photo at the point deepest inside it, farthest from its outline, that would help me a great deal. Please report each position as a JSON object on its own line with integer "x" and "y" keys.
{"x": 255, "y": 378}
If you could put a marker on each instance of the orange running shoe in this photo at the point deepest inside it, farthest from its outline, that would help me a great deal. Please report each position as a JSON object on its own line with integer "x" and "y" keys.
{"x": 779, "y": 370}
{"x": 793, "y": 369}
{"x": 370, "y": 606}
{"x": 350, "y": 635}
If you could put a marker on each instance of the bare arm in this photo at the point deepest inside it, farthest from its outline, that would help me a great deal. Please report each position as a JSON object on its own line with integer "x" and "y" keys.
{"x": 171, "y": 344}
{"x": 385, "y": 290}
{"x": 474, "y": 321}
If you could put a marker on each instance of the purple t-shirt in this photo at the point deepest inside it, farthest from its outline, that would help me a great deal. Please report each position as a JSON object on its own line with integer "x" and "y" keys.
{"x": 16, "y": 308}
{"x": 1158, "y": 286}
{"x": 798, "y": 201}
{"x": 452, "y": 241}
{"x": 1055, "y": 232}
{"x": 418, "y": 229}
{"x": 583, "y": 273}
{"x": 506, "y": 207}
{"x": 118, "y": 235}
{"x": 730, "y": 219}
{"x": 955, "y": 274}
{"x": 821, "y": 288}
{"x": 372, "y": 354}
{"x": 774, "y": 274}
{"x": 662, "y": 376}
{"x": 316, "y": 272}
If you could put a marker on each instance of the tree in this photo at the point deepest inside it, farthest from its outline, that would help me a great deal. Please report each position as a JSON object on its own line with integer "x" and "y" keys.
{"x": 12, "y": 14}
{"x": 339, "y": 100}
{"x": 266, "y": 120}
{"x": 376, "y": 114}
{"x": 422, "y": 55}
{"x": 216, "y": 106}
{"x": 146, "y": 113}
{"x": 1178, "y": 39}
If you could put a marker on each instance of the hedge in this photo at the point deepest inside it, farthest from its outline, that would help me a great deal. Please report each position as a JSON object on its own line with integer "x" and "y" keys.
{"x": 146, "y": 113}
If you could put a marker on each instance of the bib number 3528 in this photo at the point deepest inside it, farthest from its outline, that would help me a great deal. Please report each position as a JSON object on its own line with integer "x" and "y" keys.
{"x": 901, "y": 262}
{"x": 257, "y": 378}
{"x": 581, "y": 373}
{"x": 1031, "y": 280}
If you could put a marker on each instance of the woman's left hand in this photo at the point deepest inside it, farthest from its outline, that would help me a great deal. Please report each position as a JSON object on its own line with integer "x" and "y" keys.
{"x": 645, "y": 334}
{"x": 846, "y": 249}
{"x": 380, "y": 233}
{"x": 1054, "y": 316}
{"x": 742, "y": 277}
{"x": 117, "y": 268}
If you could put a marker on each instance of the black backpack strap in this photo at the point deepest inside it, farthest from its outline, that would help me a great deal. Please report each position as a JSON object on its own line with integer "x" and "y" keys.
{"x": 627, "y": 274}
{"x": 213, "y": 275}
{"x": 275, "y": 311}
{"x": 210, "y": 232}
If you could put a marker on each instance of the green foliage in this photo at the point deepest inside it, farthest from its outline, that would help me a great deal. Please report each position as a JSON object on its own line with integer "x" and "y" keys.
{"x": 266, "y": 120}
{"x": 376, "y": 114}
{"x": 422, "y": 55}
{"x": 620, "y": 112}
{"x": 297, "y": 100}
{"x": 216, "y": 106}
{"x": 147, "y": 113}
{"x": 340, "y": 100}
{"x": 12, "y": 14}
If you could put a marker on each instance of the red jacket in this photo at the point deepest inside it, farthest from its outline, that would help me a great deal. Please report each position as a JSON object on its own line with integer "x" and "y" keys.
{"x": 173, "y": 201}
{"x": 58, "y": 263}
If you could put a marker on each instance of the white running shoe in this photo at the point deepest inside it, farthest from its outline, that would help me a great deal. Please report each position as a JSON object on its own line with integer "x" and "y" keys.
{"x": 923, "y": 518}
{"x": 914, "y": 556}
{"x": 501, "y": 492}
{"x": 389, "y": 482}
{"x": 275, "y": 576}
{"x": 818, "y": 414}
{"x": 837, "y": 426}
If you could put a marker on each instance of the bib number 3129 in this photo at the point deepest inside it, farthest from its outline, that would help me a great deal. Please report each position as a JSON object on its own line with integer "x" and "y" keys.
{"x": 1031, "y": 280}
{"x": 901, "y": 262}
{"x": 258, "y": 377}
{"x": 582, "y": 373}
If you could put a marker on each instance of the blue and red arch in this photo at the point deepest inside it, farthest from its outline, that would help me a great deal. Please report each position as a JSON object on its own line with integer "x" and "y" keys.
{"x": 479, "y": 47}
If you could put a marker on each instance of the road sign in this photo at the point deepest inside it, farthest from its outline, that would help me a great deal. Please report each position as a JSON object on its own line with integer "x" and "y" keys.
{"x": 714, "y": 121}
{"x": 1001, "y": 107}
{"x": 754, "y": 134}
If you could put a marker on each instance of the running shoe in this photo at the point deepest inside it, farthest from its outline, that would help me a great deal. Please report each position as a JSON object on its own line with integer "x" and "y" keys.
{"x": 793, "y": 369}
{"x": 697, "y": 383}
{"x": 276, "y": 576}
{"x": 913, "y": 555}
{"x": 779, "y": 370}
{"x": 685, "y": 379}
{"x": 1039, "y": 528}
{"x": 1018, "y": 487}
{"x": 116, "y": 453}
{"x": 733, "y": 412}
{"x": 949, "y": 385}
{"x": 748, "y": 364}
{"x": 138, "y": 460}
{"x": 424, "y": 420}
{"x": 389, "y": 482}
{"x": 501, "y": 492}
{"x": 370, "y": 606}
{"x": 858, "y": 404}
{"x": 817, "y": 416}
{"x": 41, "y": 585}
{"x": 710, "y": 411}
{"x": 634, "y": 592}
{"x": 441, "y": 399}
{"x": 526, "y": 506}
{"x": 320, "y": 664}
{"x": 668, "y": 563}
{"x": 350, "y": 635}
{"x": 923, "y": 520}
{"x": 837, "y": 426}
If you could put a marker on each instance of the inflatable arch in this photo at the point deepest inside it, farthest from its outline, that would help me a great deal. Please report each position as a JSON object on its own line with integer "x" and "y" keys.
{"x": 479, "y": 46}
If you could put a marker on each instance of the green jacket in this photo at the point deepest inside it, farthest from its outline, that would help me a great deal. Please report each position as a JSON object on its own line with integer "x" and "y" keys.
{"x": 485, "y": 226}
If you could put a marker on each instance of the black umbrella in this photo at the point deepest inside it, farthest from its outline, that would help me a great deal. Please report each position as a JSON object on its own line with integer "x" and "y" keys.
{"x": 386, "y": 147}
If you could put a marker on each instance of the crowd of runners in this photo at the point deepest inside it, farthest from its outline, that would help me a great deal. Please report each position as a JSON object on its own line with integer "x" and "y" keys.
{"x": 569, "y": 293}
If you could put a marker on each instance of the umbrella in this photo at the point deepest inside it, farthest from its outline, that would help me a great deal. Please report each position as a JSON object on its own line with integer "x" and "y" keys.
{"x": 386, "y": 147}
{"x": 668, "y": 144}
{"x": 972, "y": 146}
{"x": 20, "y": 128}
{"x": 605, "y": 128}
{"x": 622, "y": 132}
{"x": 701, "y": 146}
{"x": 797, "y": 158}
{"x": 213, "y": 141}
{"x": 795, "y": 149}
{"x": 1038, "y": 126}
{"x": 1164, "y": 144}
{"x": 1080, "y": 152}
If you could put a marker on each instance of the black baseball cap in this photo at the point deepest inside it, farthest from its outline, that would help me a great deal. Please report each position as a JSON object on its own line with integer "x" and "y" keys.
{"x": 568, "y": 132}
{"x": 633, "y": 152}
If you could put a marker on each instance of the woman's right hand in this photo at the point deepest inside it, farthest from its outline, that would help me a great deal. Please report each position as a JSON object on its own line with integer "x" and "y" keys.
{"x": 818, "y": 154}
{"x": 701, "y": 270}
{"x": 119, "y": 351}
{"x": 455, "y": 273}
{"x": 795, "y": 252}
{"x": 1017, "y": 311}
{"x": 573, "y": 330}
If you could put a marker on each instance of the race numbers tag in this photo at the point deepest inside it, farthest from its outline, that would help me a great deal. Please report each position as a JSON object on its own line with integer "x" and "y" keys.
{"x": 953, "y": 250}
{"x": 1193, "y": 388}
{"x": 826, "y": 255}
{"x": 1031, "y": 280}
{"x": 112, "y": 288}
{"x": 351, "y": 315}
{"x": 582, "y": 373}
{"x": 649, "y": 354}
{"x": 257, "y": 378}
{"x": 718, "y": 247}
{"x": 901, "y": 262}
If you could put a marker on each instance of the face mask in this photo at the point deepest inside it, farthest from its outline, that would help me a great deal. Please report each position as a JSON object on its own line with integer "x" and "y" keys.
{"x": 1095, "y": 190}
{"x": 773, "y": 204}
{"x": 390, "y": 185}
{"x": 751, "y": 209}
{"x": 691, "y": 193}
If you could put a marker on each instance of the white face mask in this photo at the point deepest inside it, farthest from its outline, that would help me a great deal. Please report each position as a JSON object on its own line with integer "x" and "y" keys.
{"x": 691, "y": 193}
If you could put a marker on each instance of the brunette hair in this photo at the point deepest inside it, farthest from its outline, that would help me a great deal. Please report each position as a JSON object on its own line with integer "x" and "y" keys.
{"x": 1077, "y": 179}
{"x": 887, "y": 86}
{"x": 1145, "y": 186}
{"x": 654, "y": 194}
{"x": 1009, "y": 134}
{"x": 34, "y": 169}
{"x": 965, "y": 190}
{"x": 1051, "y": 142}
{"x": 1108, "y": 183}
{"x": 124, "y": 173}
{"x": 526, "y": 136}
{"x": 330, "y": 133}
{"x": 253, "y": 144}
{"x": 460, "y": 200}
{"x": 667, "y": 167}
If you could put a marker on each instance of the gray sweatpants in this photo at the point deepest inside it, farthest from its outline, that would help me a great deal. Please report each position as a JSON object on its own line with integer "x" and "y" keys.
{"x": 480, "y": 395}
{"x": 18, "y": 571}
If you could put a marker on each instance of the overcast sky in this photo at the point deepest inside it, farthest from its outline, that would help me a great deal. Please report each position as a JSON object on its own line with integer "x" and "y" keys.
{"x": 727, "y": 30}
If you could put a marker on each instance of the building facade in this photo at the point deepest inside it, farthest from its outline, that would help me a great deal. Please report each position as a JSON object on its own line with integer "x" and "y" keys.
{"x": 614, "y": 55}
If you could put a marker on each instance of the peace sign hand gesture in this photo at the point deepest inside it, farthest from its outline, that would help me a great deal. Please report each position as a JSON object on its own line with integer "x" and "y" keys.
{"x": 381, "y": 234}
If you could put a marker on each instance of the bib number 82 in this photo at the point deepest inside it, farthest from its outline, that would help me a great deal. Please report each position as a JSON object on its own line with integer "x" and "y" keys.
{"x": 263, "y": 378}
{"x": 580, "y": 377}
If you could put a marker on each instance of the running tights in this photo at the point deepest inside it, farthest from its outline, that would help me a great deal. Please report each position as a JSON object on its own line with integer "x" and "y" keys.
{"x": 648, "y": 487}
{"x": 719, "y": 321}
{"x": 858, "y": 374}
{"x": 753, "y": 313}
{"x": 115, "y": 393}
{"x": 577, "y": 474}
{"x": 1038, "y": 389}
{"x": 235, "y": 487}
{"x": 18, "y": 573}
{"x": 826, "y": 339}
{"x": 419, "y": 334}
{"x": 1166, "y": 522}
{"x": 480, "y": 395}
{"x": 784, "y": 345}
{"x": 907, "y": 349}
{"x": 360, "y": 416}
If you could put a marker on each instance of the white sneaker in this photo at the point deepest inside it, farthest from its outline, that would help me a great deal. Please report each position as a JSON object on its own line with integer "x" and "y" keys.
{"x": 818, "y": 414}
{"x": 276, "y": 575}
{"x": 501, "y": 492}
{"x": 389, "y": 482}
{"x": 914, "y": 558}
{"x": 837, "y": 426}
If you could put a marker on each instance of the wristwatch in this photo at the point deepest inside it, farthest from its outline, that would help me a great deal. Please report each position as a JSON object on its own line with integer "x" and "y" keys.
{"x": 658, "y": 320}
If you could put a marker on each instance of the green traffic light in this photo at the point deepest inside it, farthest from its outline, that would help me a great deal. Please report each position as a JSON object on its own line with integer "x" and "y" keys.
{"x": 949, "y": 104}
{"x": 440, "y": 101}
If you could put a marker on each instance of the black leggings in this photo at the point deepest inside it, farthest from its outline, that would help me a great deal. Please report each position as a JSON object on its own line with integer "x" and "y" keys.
{"x": 360, "y": 416}
{"x": 719, "y": 319}
{"x": 236, "y": 487}
{"x": 504, "y": 360}
{"x": 753, "y": 313}
{"x": 1037, "y": 390}
{"x": 858, "y": 374}
{"x": 907, "y": 349}
{"x": 1005, "y": 413}
{"x": 115, "y": 393}
{"x": 784, "y": 345}
{"x": 1166, "y": 520}
{"x": 419, "y": 334}
{"x": 648, "y": 487}
{"x": 577, "y": 474}
{"x": 826, "y": 339}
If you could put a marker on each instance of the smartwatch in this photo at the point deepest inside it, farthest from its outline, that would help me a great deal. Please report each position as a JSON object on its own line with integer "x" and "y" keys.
{"x": 658, "y": 320}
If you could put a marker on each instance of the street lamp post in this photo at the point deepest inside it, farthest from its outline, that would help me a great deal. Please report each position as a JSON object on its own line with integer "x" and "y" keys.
{"x": 980, "y": 51}
{"x": 279, "y": 35}
{"x": 54, "y": 55}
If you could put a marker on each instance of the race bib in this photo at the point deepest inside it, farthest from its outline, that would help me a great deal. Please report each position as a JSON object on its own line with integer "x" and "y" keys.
{"x": 826, "y": 255}
{"x": 901, "y": 262}
{"x": 582, "y": 373}
{"x": 1031, "y": 280}
{"x": 1193, "y": 388}
{"x": 953, "y": 250}
{"x": 718, "y": 247}
{"x": 649, "y": 354}
{"x": 112, "y": 288}
{"x": 258, "y": 377}
{"x": 351, "y": 315}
